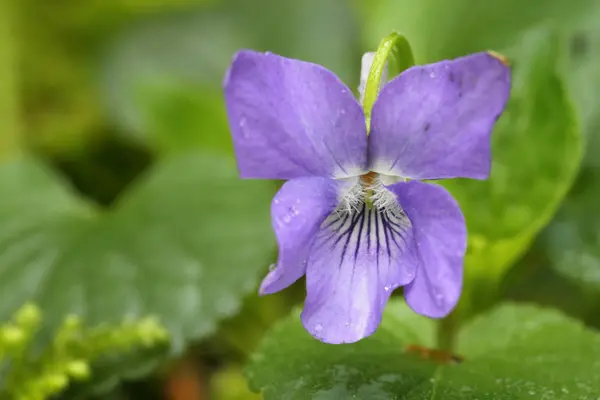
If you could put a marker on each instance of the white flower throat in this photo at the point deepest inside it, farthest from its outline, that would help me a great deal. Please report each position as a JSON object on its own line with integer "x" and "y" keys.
{"x": 368, "y": 190}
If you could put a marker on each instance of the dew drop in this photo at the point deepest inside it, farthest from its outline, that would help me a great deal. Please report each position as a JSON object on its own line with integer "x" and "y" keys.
{"x": 386, "y": 288}
{"x": 318, "y": 328}
{"x": 272, "y": 267}
{"x": 245, "y": 132}
{"x": 287, "y": 218}
{"x": 432, "y": 75}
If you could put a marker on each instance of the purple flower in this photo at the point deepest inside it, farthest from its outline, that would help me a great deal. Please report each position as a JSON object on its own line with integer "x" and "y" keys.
{"x": 353, "y": 216}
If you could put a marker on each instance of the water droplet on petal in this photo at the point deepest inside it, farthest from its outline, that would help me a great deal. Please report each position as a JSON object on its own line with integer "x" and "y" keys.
{"x": 432, "y": 75}
{"x": 318, "y": 328}
{"x": 245, "y": 132}
{"x": 386, "y": 288}
{"x": 272, "y": 267}
{"x": 287, "y": 218}
{"x": 276, "y": 201}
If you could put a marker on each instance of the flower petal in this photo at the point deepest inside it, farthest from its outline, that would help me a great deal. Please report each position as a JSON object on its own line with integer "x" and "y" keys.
{"x": 291, "y": 118}
{"x": 355, "y": 263}
{"x": 297, "y": 211}
{"x": 441, "y": 237}
{"x": 435, "y": 121}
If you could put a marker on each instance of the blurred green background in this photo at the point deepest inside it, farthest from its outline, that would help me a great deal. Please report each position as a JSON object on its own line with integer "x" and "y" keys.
{"x": 118, "y": 188}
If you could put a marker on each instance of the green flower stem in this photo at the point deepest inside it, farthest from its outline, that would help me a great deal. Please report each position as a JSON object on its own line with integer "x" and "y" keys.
{"x": 9, "y": 120}
{"x": 395, "y": 48}
{"x": 447, "y": 329}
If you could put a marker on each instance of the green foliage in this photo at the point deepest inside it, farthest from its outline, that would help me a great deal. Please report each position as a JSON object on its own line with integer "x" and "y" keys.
{"x": 514, "y": 352}
{"x": 439, "y": 29}
{"x": 572, "y": 242}
{"x": 179, "y": 118}
{"x": 230, "y": 384}
{"x": 9, "y": 92}
{"x": 60, "y": 48}
{"x": 186, "y": 244}
{"x": 28, "y": 374}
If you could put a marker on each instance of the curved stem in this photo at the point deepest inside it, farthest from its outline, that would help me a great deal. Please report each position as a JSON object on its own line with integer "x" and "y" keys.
{"x": 396, "y": 48}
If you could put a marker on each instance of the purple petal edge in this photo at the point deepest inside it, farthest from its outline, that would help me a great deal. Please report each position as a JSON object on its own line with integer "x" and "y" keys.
{"x": 441, "y": 237}
{"x": 290, "y": 119}
{"x": 435, "y": 121}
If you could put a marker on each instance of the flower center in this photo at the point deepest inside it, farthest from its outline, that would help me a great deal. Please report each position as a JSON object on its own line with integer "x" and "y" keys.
{"x": 368, "y": 178}
{"x": 368, "y": 181}
{"x": 368, "y": 191}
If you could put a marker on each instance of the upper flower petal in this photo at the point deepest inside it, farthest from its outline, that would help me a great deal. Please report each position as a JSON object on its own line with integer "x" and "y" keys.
{"x": 291, "y": 118}
{"x": 441, "y": 237}
{"x": 297, "y": 211}
{"x": 355, "y": 263}
{"x": 435, "y": 121}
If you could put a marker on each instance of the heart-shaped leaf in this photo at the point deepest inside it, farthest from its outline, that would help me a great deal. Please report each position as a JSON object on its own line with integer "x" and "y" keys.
{"x": 514, "y": 352}
{"x": 185, "y": 244}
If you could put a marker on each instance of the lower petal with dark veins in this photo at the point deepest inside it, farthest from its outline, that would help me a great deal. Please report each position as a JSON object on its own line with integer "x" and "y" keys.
{"x": 357, "y": 259}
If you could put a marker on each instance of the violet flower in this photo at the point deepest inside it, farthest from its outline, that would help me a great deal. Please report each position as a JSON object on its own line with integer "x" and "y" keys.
{"x": 353, "y": 216}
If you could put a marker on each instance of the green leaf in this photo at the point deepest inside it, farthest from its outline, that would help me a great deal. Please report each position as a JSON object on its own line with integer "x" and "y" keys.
{"x": 535, "y": 157}
{"x": 571, "y": 241}
{"x": 185, "y": 244}
{"x": 533, "y": 280}
{"x": 440, "y": 29}
{"x": 583, "y": 76}
{"x": 194, "y": 48}
{"x": 515, "y": 352}
{"x": 180, "y": 118}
